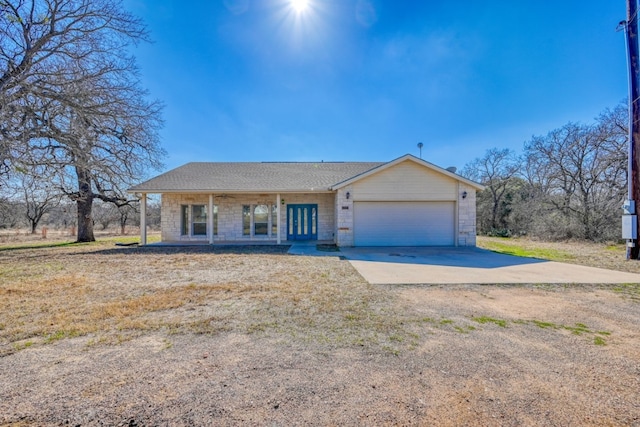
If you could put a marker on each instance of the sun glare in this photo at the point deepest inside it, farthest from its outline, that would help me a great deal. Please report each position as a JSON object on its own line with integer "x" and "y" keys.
{"x": 299, "y": 5}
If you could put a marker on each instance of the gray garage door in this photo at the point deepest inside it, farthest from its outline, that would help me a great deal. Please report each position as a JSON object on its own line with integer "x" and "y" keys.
{"x": 404, "y": 223}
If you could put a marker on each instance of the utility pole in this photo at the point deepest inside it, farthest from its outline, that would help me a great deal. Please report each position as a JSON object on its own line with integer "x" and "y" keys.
{"x": 630, "y": 217}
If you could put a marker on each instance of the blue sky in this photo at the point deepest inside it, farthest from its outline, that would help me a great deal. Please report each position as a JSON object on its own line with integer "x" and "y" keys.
{"x": 254, "y": 80}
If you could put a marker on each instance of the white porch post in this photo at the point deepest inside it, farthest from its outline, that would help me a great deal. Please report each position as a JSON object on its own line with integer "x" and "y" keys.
{"x": 143, "y": 219}
{"x": 210, "y": 219}
{"x": 278, "y": 203}
{"x": 456, "y": 216}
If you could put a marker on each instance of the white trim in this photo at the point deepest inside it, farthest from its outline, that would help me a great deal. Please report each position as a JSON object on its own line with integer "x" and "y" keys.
{"x": 143, "y": 219}
{"x": 210, "y": 230}
{"x": 229, "y": 192}
{"x": 278, "y": 218}
{"x": 456, "y": 215}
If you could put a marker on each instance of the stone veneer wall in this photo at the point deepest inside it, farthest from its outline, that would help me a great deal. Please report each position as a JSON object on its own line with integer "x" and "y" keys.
{"x": 344, "y": 216}
{"x": 230, "y": 214}
{"x": 467, "y": 216}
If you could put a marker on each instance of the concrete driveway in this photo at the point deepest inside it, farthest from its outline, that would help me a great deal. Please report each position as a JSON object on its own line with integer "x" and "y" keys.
{"x": 469, "y": 265}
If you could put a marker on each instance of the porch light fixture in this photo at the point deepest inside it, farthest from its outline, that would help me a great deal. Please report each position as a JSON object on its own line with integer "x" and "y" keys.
{"x": 464, "y": 194}
{"x": 348, "y": 195}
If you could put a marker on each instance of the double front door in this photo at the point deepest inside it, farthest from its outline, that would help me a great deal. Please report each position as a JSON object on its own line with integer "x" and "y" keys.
{"x": 302, "y": 222}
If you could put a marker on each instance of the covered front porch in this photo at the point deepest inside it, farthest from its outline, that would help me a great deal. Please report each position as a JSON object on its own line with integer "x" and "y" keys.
{"x": 304, "y": 248}
{"x": 244, "y": 218}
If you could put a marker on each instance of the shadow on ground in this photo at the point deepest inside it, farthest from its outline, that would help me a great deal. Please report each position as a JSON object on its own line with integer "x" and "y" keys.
{"x": 200, "y": 249}
{"x": 440, "y": 256}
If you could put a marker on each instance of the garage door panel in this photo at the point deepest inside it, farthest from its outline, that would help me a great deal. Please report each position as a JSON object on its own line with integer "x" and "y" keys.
{"x": 404, "y": 223}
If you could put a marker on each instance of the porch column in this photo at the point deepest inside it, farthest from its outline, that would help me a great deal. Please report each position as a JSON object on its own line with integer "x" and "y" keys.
{"x": 278, "y": 203}
{"x": 143, "y": 219}
{"x": 456, "y": 216}
{"x": 210, "y": 219}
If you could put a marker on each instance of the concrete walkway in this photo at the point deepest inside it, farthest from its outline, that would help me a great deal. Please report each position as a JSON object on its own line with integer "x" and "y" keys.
{"x": 310, "y": 248}
{"x": 469, "y": 265}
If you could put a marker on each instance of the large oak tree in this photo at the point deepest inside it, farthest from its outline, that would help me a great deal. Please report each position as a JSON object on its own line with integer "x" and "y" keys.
{"x": 71, "y": 99}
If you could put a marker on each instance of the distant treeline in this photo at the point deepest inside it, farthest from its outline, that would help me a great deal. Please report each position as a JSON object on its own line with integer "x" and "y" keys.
{"x": 16, "y": 213}
{"x": 567, "y": 184}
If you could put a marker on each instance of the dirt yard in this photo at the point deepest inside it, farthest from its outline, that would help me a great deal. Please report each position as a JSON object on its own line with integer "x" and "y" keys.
{"x": 99, "y": 335}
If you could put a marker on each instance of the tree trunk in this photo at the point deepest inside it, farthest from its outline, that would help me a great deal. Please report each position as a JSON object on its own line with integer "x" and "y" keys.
{"x": 494, "y": 209}
{"x": 589, "y": 232}
{"x": 85, "y": 221}
{"x": 35, "y": 216}
{"x": 85, "y": 206}
{"x": 123, "y": 225}
{"x": 494, "y": 216}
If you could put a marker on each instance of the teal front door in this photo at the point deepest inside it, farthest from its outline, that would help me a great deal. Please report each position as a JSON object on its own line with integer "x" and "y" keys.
{"x": 302, "y": 222}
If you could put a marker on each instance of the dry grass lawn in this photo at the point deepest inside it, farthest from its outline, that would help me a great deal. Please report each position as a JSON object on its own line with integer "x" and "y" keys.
{"x": 602, "y": 255}
{"x": 101, "y": 335}
{"x": 115, "y": 294}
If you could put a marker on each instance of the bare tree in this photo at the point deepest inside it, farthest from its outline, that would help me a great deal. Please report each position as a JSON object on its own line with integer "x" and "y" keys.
{"x": 125, "y": 214}
{"x": 582, "y": 170}
{"x": 102, "y": 147}
{"x": 10, "y": 213}
{"x": 62, "y": 216}
{"x": 105, "y": 214}
{"x": 496, "y": 170}
{"x": 38, "y": 197}
{"x": 70, "y": 99}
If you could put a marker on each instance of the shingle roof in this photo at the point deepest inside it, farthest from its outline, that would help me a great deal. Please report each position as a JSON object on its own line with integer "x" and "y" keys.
{"x": 254, "y": 177}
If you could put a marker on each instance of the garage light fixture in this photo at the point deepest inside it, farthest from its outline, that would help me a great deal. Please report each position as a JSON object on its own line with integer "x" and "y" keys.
{"x": 464, "y": 194}
{"x": 348, "y": 195}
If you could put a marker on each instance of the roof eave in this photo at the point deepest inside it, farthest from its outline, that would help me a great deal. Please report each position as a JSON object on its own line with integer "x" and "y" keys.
{"x": 228, "y": 191}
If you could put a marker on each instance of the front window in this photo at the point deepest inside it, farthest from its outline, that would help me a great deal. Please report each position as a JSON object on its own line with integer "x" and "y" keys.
{"x": 199, "y": 220}
{"x": 314, "y": 221}
{"x": 261, "y": 220}
{"x": 290, "y": 216}
{"x": 193, "y": 220}
{"x": 246, "y": 220}
{"x": 184, "y": 220}
{"x": 274, "y": 220}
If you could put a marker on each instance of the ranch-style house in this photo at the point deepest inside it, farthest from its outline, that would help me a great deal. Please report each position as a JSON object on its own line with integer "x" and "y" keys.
{"x": 404, "y": 202}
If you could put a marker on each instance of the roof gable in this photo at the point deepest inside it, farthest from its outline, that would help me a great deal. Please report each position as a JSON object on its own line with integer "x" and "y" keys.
{"x": 407, "y": 157}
